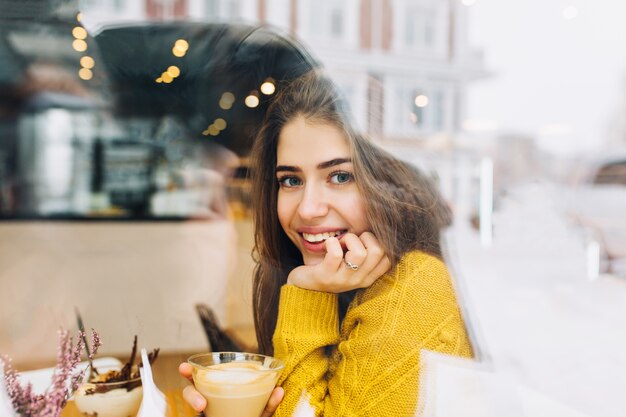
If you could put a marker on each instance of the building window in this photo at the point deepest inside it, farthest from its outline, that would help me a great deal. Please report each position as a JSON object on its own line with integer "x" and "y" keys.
{"x": 211, "y": 8}
{"x": 438, "y": 110}
{"x": 410, "y": 29}
{"x": 234, "y": 9}
{"x": 222, "y": 9}
{"x": 336, "y": 23}
{"x": 107, "y": 5}
{"x": 419, "y": 28}
{"x": 327, "y": 20}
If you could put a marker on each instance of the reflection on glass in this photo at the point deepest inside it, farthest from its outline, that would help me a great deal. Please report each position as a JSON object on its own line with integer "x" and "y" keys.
{"x": 181, "y": 44}
{"x": 268, "y": 88}
{"x": 79, "y": 45}
{"x": 180, "y": 48}
{"x": 85, "y": 74}
{"x": 214, "y": 130}
{"x": 220, "y": 123}
{"x": 79, "y": 32}
{"x": 226, "y": 101}
{"x": 167, "y": 77}
{"x": 173, "y": 70}
{"x": 87, "y": 62}
{"x": 107, "y": 140}
{"x": 421, "y": 101}
{"x": 252, "y": 100}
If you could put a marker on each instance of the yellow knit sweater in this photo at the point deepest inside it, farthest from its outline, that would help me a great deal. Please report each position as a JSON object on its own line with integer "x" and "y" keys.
{"x": 369, "y": 366}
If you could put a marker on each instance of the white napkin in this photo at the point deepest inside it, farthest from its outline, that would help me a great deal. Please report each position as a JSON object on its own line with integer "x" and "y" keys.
{"x": 6, "y": 408}
{"x": 153, "y": 403}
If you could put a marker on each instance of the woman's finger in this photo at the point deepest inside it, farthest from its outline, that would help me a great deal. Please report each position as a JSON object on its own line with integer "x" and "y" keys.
{"x": 273, "y": 402}
{"x": 372, "y": 266}
{"x": 184, "y": 369}
{"x": 194, "y": 398}
{"x": 379, "y": 270}
{"x": 334, "y": 254}
{"x": 372, "y": 245}
{"x": 356, "y": 252}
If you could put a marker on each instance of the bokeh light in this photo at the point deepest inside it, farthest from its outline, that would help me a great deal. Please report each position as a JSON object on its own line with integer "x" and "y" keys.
{"x": 79, "y": 32}
{"x": 79, "y": 45}
{"x": 228, "y": 97}
{"x": 181, "y": 44}
{"x": 87, "y": 62}
{"x": 268, "y": 88}
{"x": 167, "y": 78}
{"x": 220, "y": 123}
{"x": 421, "y": 100}
{"x": 173, "y": 70}
{"x": 227, "y": 100}
{"x": 180, "y": 48}
{"x": 252, "y": 100}
{"x": 85, "y": 74}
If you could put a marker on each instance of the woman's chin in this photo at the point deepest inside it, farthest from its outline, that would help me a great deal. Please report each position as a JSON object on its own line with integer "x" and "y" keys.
{"x": 313, "y": 260}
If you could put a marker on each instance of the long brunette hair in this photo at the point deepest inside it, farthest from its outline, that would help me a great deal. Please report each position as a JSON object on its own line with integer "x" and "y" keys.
{"x": 404, "y": 209}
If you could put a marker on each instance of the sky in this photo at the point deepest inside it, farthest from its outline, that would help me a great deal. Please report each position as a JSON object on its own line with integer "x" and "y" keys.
{"x": 560, "y": 80}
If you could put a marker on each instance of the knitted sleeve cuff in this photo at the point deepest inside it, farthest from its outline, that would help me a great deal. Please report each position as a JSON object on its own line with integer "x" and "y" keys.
{"x": 305, "y": 312}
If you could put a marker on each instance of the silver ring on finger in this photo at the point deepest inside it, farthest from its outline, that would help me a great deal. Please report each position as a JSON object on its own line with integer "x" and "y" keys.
{"x": 352, "y": 266}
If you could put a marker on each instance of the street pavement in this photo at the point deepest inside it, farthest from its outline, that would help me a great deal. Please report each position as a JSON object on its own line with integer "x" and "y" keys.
{"x": 552, "y": 338}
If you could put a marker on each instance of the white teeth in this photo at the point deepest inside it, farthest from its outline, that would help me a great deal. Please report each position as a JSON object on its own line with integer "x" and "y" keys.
{"x": 319, "y": 237}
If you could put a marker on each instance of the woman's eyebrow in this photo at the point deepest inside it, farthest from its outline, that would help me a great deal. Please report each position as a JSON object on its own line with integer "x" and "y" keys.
{"x": 287, "y": 168}
{"x": 321, "y": 165}
{"x": 333, "y": 162}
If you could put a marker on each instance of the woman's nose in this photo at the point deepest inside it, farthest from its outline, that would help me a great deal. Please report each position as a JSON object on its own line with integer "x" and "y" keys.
{"x": 313, "y": 203}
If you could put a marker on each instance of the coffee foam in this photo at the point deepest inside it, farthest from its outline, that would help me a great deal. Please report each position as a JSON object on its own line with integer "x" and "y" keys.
{"x": 234, "y": 373}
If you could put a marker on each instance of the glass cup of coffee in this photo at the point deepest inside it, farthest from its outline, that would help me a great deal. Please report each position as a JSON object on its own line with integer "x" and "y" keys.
{"x": 235, "y": 383}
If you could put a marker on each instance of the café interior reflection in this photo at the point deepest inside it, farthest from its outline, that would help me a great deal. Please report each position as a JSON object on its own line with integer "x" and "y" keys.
{"x": 123, "y": 172}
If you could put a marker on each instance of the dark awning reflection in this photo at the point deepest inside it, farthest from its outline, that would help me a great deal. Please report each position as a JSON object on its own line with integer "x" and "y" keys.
{"x": 113, "y": 113}
{"x": 219, "y": 59}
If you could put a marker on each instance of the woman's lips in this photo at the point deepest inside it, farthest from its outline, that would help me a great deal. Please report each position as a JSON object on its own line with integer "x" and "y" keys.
{"x": 321, "y": 245}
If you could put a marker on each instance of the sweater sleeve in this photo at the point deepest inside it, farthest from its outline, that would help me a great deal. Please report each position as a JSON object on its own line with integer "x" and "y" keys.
{"x": 307, "y": 327}
{"x": 374, "y": 370}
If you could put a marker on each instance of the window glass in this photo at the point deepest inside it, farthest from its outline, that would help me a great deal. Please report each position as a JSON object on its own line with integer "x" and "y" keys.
{"x": 336, "y": 22}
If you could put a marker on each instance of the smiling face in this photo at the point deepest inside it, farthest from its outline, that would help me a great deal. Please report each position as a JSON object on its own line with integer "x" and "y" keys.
{"x": 317, "y": 196}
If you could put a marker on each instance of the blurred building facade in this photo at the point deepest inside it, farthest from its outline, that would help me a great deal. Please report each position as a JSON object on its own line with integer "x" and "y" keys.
{"x": 617, "y": 132}
{"x": 404, "y": 65}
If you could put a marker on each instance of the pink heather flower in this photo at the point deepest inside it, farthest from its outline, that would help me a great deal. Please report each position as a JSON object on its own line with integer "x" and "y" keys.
{"x": 65, "y": 380}
{"x": 95, "y": 343}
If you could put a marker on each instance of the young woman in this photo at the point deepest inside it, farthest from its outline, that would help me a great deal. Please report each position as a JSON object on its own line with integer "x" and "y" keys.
{"x": 349, "y": 285}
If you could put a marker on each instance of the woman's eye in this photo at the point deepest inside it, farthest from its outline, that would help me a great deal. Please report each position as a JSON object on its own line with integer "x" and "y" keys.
{"x": 340, "y": 177}
{"x": 289, "y": 182}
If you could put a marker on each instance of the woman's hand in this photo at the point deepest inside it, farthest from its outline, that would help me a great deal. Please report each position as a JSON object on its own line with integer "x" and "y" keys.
{"x": 198, "y": 402}
{"x": 334, "y": 273}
